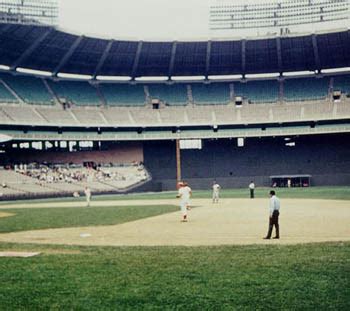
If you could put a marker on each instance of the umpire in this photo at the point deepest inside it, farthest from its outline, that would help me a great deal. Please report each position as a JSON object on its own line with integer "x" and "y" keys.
{"x": 274, "y": 214}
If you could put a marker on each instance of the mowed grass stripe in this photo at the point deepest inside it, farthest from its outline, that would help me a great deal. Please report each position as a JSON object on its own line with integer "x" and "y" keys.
{"x": 303, "y": 277}
{"x": 45, "y": 218}
{"x": 330, "y": 193}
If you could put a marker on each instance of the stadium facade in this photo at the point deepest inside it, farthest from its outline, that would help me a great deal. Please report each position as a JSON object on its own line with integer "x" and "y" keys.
{"x": 285, "y": 97}
{"x": 228, "y": 17}
{"x": 31, "y": 12}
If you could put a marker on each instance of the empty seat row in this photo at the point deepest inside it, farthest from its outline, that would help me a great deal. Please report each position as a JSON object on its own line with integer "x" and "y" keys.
{"x": 33, "y": 90}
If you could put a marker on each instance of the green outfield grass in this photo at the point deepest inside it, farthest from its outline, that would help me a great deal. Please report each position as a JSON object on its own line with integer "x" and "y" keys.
{"x": 327, "y": 193}
{"x": 260, "y": 277}
{"x": 44, "y": 218}
{"x": 302, "y": 277}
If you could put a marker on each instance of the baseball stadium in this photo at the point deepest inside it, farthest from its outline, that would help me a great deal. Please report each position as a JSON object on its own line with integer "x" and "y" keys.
{"x": 139, "y": 173}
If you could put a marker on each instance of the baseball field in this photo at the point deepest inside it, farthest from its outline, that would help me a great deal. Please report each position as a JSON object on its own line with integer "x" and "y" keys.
{"x": 132, "y": 252}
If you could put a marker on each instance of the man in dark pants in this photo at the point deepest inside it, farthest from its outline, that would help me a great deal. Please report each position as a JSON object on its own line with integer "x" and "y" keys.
{"x": 252, "y": 188}
{"x": 274, "y": 214}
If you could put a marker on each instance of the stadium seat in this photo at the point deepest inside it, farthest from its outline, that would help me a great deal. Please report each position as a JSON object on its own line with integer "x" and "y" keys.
{"x": 123, "y": 94}
{"x": 306, "y": 89}
{"x": 342, "y": 83}
{"x": 213, "y": 93}
{"x": 78, "y": 92}
{"x": 174, "y": 94}
{"x": 31, "y": 89}
{"x": 258, "y": 91}
{"x": 64, "y": 178}
{"x": 6, "y": 96}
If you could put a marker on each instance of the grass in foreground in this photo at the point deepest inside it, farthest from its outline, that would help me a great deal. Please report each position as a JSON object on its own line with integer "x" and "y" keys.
{"x": 302, "y": 277}
{"x": 45, "y": 218}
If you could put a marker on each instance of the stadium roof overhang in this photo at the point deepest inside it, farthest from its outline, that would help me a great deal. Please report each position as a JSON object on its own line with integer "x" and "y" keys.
{"x": 55, "y": 52}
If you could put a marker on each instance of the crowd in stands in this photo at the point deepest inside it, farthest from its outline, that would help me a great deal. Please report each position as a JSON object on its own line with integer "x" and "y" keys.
{"x": 69, "y": 179}
{"x": 53, "y": 174}
{"x": 72, "y": 173}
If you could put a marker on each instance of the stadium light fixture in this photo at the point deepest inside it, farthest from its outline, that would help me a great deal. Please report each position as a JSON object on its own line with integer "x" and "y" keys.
{"x": 149, "y": 79}
{"x": 113, "y": 78}
{"x": 3, "y": 67}
{"x": 225, "y": 77}
{"x": 298, "y": 73}
{"x": 262, "y": 75}
{"x": 188, "y": 78}
{"x": 34, "y": 72}
{"x": 73, "y": 76}
{"x": 336, "y": 70}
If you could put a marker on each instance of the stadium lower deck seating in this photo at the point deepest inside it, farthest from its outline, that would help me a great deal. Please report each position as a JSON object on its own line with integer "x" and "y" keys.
{"x": 306, "y": 88}
{"x": 80, "y": 93}
{"x": 123, "y": 94}
{"x": 5, "y": 95}
{"x": 258, "y": 91}
{"x": 108, "y": 116}
{"x": 33, "y": 90}
{"x": 42, "y": 179}
{"x": 342, "y": 83}
{"x": 293, "y": 99}
{"x": 214, "y": 93}
{"x": 175, "y": 94}
{"x": 30, "y": 89}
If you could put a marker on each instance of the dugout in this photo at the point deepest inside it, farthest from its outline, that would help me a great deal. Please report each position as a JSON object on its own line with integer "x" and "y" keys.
{"x": 295, "y": 180}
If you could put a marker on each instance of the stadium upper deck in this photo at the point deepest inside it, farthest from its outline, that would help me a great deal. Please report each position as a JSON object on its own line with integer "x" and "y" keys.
{"x": 54, "y": 51}
{"x": 49, "y": 49}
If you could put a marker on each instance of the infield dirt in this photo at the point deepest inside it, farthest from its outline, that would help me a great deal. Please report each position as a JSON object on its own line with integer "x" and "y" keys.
{"x": 231, "y": 222}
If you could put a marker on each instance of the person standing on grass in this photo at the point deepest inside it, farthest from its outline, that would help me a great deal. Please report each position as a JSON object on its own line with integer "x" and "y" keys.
{"x": 87, "y": 192}
{"x": 216, "y": 190}
{"x": 251, "y": 189}
{"x": 274, "y": 214}
{"x": 184, "y": 194}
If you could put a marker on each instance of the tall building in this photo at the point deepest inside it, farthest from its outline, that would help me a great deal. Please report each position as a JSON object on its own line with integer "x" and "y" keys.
{"x": 232, "y": 17}
{"x": 29, "y": 12}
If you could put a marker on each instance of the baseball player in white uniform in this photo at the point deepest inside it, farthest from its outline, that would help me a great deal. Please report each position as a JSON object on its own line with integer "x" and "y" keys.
{"x": 88, "y": 196}
{"x": 184, "y": 194}
{"x": 216, "y": 190}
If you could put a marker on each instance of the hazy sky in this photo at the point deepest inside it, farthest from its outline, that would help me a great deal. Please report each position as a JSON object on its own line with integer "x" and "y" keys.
{"x": 139, "y": 19}
{"x": 147, "y": 19}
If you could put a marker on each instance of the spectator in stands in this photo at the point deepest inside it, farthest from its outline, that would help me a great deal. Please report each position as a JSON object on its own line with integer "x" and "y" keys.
{"x": 216, "y": 189}
{"x": 76, "y": 194}
{"x": 87, "y": 192}
{"x": 274, "y": 214}
{"x": 252, "y": 189}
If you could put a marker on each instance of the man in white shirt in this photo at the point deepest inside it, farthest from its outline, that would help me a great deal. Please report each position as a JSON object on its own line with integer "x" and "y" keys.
{"x": 184, "y": 194}
{"x": 274, "y": 214}
{"x": 251, "y": 188}
{"x": 216, "y": 190}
